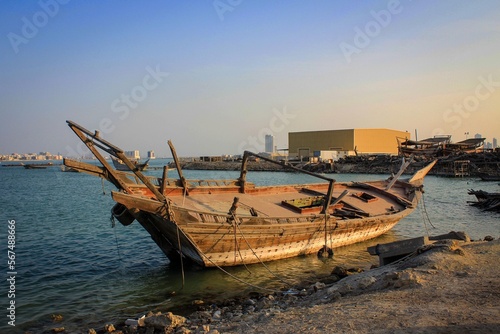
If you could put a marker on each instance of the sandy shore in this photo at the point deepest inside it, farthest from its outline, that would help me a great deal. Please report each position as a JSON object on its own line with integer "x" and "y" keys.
{"x": 449, "y": 288}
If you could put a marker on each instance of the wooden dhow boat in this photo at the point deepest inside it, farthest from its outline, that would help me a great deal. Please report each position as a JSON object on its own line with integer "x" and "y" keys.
{"x": 218, "y": 223}
{"x": 120, "y": 165}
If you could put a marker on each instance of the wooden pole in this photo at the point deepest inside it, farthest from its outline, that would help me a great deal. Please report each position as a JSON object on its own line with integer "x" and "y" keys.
{"x": 178, "y": 167}
{"x": 164, "y": 179}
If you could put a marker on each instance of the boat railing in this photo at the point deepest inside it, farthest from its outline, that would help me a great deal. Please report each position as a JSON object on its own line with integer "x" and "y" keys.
{"x": 211, "y": 217}
{"x": 132, "y": 179}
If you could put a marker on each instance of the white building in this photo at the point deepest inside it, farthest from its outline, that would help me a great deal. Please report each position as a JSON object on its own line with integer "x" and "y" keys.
{"x": 133, "y": 155}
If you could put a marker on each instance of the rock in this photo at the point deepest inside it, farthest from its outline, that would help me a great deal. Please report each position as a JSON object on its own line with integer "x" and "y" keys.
{"x": 366, "y": 282}
{"x": 183, "y": 330}
{"x": 404, "y": 279}
{"x": 341, "y": 272}
{"x": 264, "y": 303}
{"x": 56, "y": 317}
{"x": 341, "y": 289}
{"x": 334, "y": 278}
{"x": 318, "y": 286}
{"x": 140, "y": 321}
{"x": 217, "y": 314}
{"x": 132, "y": 322}
{"x": 488, "y": 238}
{"x": 92, "y": 331}
{"x": 351, "y": 271}
{"x": 109, "y": 328}
{"x": 164, "y": 321}
{"x": 250, "y": 309}
{"x": 249, "y": 302}
{"x": 58, "y": 330}
{"x": 334, "y": 294}
{"x": 455, "y": 235}
{"x": 201, "y": 316}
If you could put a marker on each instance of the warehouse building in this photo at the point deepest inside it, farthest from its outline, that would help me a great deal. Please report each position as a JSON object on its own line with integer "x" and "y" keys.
{"x": 344, "y": 142}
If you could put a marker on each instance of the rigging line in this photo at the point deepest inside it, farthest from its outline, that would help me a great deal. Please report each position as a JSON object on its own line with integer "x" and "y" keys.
{"x": 102, "y": 183}
{"x": 255, "y": 254}
{"x": 423, "y": 219}
{"x": 425, "y": 210}
{"x": 237, "y": 246}
{"x": 229, "y": 274}
{"x": 180, "y": 255}
{"x": 171, "y": 217}
{"x": 326, "y": 233}
{"x": 116, "y": 237}
{"x": 184, "y": 196}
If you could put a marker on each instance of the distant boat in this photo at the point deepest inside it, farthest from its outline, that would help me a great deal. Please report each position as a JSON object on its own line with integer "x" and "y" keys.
{"x": 120, "y": 165}
{"x": 485, "y": 200}
{"x": 470, "y": 145}
{"x": 429, "y": 147}
{"x": 218, "y": 223}
{"x": 37, "y": 166}
{"x": 489, "y": 176}
{"x": 438, "y": 146}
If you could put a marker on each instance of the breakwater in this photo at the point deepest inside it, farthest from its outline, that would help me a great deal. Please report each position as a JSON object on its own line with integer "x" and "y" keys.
{"x": 471, "y": 164}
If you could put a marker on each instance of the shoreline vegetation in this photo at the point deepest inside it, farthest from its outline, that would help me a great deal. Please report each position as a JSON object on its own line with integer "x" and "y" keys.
{"x": 449, "y": 286}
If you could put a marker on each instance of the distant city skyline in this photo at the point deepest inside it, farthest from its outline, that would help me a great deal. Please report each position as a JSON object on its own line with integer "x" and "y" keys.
{"x": 215, "y": 79}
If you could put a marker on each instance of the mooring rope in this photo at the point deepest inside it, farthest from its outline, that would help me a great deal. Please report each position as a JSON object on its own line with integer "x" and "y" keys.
{"x": 231, "y": 275}
{"x": 113, "y": 224}
{"x": 180, "y": 255}
{"x": 237, "y": 246}
{"x": 424, "y": 211}
{"x": 237, "y": 278}
{"x": 258, "y": 258}
{"x": 103, "y": 191}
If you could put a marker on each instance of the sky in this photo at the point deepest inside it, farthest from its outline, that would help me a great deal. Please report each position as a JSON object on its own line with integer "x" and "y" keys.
{"x": 216, "y": 76}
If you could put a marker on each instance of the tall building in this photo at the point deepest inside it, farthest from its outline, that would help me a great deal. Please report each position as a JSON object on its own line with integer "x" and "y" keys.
{"x": 269, "y": 147}
{"x": 495, "y": 143}
{"x": 151, "y": 154}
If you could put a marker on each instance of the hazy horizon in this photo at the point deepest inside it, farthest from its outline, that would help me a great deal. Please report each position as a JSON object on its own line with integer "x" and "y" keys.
{"x": 216, "y": 76}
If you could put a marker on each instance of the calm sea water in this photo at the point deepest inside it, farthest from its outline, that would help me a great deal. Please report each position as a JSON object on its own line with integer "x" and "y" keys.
{"x": 69, "y": 261}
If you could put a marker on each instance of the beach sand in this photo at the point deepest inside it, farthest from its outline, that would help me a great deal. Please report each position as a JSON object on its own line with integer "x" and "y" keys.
{"x": 452, "y": 287}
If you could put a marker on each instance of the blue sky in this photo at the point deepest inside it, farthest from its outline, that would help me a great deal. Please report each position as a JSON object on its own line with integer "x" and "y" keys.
{"x": 216, "y": 76}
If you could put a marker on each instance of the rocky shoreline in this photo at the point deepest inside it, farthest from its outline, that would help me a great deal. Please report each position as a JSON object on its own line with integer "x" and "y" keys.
{"x": 363, "y": 164}
{"x": 448, "y": 287}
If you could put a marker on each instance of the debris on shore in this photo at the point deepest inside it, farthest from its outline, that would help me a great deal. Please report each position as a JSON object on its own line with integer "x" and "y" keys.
{"x": 485, "y": 200}
{"x": 440, "y": 286}
{"x": 476, "y": 163}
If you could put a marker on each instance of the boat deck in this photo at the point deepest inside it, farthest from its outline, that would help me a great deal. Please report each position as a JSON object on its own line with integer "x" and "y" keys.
{"x": 300, "y": 201}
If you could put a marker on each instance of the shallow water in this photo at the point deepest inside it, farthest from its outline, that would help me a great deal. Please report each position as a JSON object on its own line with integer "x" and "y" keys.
{"x": 70, "y": 261}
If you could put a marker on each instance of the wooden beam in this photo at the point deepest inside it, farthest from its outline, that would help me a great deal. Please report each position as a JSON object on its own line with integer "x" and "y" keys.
{"x": 178, "y": 167}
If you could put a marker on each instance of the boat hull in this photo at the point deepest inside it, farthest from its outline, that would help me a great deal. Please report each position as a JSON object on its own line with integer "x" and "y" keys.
{"x": 211, "y": 240}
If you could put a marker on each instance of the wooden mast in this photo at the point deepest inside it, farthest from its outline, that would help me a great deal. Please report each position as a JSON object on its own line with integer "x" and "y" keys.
{"x": 92, "y": 140}
{"x": 178, "y": 167}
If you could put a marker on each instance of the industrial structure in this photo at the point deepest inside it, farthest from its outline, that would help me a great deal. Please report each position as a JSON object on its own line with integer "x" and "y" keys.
{"x": 344, "y": 142}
